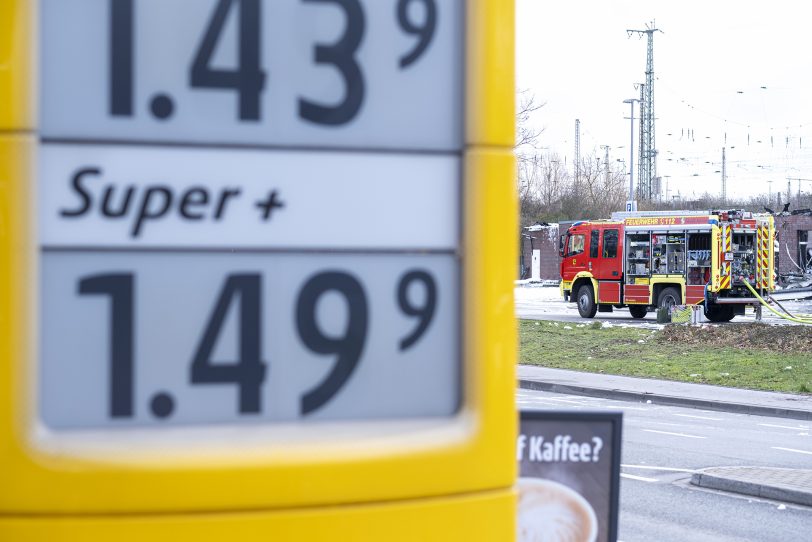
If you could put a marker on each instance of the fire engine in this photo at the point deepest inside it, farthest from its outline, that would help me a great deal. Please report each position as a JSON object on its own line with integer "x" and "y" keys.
{"x": 645, "y": 261}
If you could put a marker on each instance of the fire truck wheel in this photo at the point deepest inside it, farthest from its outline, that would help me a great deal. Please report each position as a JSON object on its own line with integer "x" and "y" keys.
{"x": 638, "y": 311}
{"x": 719, "y": 314}
{"x": 668, "y": 298}
{"x": 586, "y": 302}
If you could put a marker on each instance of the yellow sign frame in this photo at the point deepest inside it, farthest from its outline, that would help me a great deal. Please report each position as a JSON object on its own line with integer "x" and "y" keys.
{"x": 450, "y": 480}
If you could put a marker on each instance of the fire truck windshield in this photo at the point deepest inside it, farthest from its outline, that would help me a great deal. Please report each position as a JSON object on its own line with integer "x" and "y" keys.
{"x": 575, "y": 244}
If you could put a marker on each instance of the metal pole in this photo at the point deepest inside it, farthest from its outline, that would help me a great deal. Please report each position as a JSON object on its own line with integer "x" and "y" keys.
{"x": 631, "y": 152}
{"x": 631, "y": 101}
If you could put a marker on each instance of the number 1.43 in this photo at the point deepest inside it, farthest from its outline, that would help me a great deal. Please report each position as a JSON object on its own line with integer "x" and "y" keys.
{"x": 248, "y": 78}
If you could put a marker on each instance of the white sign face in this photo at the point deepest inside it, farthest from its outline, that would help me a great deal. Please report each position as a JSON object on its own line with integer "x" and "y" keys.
{"x": 317, "y": 73}
{"x": 249, "y": 211}
{"x": 114, "y": 196}
{"x": 192, "y": 338}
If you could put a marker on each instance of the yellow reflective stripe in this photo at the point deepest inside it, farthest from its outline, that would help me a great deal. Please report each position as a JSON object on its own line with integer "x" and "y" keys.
{"x": 762, "y": 260}
{"x": 765, "y": 254}
{"x": 726, "y": 238}
{"x": 763, "y": 257}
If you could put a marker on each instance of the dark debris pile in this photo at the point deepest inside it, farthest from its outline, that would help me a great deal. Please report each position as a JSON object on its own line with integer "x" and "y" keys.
{"x": 761, "y": 336}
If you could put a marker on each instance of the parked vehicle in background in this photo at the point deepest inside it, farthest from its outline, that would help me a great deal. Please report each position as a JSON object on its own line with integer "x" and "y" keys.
{"x": 648, "y": 260}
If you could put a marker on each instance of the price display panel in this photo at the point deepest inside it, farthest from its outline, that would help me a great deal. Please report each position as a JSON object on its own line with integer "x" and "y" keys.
{"x": 257, "y": 261}
{"x": 293, "y": 73}
{"x": 346, "y": 307}
{"x": 254, "y": 338}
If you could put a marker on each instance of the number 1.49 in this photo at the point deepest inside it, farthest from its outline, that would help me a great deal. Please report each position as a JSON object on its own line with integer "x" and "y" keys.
{"x": 248, "y": 372}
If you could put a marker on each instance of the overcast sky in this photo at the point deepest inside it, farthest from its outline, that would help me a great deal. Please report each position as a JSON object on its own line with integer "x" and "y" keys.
{"x": 710, "y": 64}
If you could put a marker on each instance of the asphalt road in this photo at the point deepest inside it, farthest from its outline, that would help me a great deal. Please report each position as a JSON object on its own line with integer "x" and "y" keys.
{"x": 545, "y": 303}
{"x": 663, "y": 446}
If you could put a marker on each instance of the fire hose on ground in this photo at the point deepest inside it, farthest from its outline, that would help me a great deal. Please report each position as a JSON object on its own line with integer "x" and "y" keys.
{"x": 764, "y": 302}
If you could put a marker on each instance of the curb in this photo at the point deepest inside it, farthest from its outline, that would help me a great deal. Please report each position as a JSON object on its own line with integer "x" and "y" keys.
{"x": 669, "y": 400}
{"x": 764, "y": 491}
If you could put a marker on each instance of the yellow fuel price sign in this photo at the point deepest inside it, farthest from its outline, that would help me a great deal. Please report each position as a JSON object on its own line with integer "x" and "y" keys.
{"x": 253, "y": 259}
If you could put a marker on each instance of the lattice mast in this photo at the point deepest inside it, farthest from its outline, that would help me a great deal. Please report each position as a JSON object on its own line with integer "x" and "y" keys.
{"x": 648, "y": 150}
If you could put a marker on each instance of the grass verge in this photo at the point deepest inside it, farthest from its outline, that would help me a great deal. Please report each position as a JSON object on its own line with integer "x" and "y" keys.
{"x": 754, "y": 356}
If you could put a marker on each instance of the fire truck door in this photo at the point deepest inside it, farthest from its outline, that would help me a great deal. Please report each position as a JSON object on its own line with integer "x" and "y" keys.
{"x": 608, "y": 263}
{"x": 575, "y": 255}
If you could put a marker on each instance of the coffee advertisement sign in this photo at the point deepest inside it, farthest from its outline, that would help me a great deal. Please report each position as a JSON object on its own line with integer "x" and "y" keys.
{"x": 569, "y": 476}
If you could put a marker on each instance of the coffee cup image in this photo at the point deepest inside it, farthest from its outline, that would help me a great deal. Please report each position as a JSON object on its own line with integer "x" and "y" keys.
{"x": 552, "y": 512}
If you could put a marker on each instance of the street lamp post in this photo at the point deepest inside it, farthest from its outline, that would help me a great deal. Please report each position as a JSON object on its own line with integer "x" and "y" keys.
{"x": 631, "y": 101}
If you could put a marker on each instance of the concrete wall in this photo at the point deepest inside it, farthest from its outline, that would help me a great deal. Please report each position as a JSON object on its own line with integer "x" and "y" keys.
{"x": 788, "y": 227}
{"x": 543, "y": 238}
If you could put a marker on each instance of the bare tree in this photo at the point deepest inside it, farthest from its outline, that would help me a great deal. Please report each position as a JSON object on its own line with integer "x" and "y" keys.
{"x": 542, "y": 180}
{"x": 529, "y": 193}
{"x": 547, "y": 192}
{"x": 553, "y": 180}
{"x": 526, "y": 134}
{"x": 527, "y": 158}
{"x": 596, "y": 193}
{"x": 613, "y": 189}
